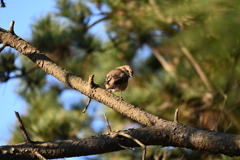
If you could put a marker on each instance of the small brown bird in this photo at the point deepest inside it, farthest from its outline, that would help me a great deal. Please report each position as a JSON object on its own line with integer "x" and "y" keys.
{"x": 117, "y": 79}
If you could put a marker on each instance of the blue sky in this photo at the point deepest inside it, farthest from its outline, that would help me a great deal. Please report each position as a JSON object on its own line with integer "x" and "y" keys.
{"x": 24, "y": 13}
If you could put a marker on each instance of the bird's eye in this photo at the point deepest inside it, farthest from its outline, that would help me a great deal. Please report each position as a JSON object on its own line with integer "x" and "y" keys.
{"x": 129, "y": 73}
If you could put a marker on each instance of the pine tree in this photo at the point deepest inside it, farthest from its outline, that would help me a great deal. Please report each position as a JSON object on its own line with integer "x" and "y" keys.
{"x": 184, "y": 55}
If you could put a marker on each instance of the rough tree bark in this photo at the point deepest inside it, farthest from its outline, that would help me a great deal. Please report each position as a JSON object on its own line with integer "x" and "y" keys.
{"x": 157, "y": 131}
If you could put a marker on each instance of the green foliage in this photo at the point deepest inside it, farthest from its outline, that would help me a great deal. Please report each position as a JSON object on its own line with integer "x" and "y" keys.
{"x": 46, "y": 120}
{"x": 7, "y": 65}
{"x": 208, "y": 29}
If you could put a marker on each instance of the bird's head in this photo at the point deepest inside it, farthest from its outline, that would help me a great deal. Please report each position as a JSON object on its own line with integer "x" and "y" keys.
{"x": 128, "y": 70}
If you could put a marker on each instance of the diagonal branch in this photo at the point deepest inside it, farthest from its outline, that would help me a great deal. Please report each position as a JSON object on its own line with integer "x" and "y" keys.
{"x": 39, "y": 156}
{"x": 77, "y": 83}
{"x": 107, "y": 123}
{"x": 166, "y": 65}
{"x": 22, "y": 128}
{"x": 198, "y": 69}
{"x": 96, "y": 22}
{"x": 162, "y": 132}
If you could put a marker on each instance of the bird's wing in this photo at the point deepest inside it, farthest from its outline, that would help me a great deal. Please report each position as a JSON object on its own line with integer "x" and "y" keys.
{"x": 115, "y": 77}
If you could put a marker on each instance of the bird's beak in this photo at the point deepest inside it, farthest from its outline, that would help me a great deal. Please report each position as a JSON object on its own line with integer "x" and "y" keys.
{"x": 131, "y": 75}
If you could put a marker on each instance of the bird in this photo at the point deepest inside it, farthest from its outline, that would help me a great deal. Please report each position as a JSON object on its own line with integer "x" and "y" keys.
{"x": 117, "y": 79}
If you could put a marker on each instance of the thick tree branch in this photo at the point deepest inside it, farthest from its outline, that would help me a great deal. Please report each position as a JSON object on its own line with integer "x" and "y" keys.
{"x": 77, "y": 83}
{"x": 173, "y": 134}
{"x": 164, "y": 132}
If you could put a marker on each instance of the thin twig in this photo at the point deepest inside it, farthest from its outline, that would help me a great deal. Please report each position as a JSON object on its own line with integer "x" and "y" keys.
{"x": 132, "y": 138}
{"x": 115, "y": 134}
{"x": 221, "y": 108}
{"x": 3, "y": 4}
{"x": 226, "y": 128}
{"x": 22, "y": 128}
{"x": 126, "y": 147}
{"x": 137, "y": 141}
{"x": 144, "y": 153}
{"x": 11, "y": 28}
{"x": 39, "y": 156}
{"x": 88, "y": 102}
{"x": 176, "y": 116}
{"x": 90, "y": 84}
{"x": 2, "y": 47}
{"x": 107, "y": 123}
{"x": 90, "y": 81}
{"x": 94, "y": 23}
